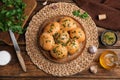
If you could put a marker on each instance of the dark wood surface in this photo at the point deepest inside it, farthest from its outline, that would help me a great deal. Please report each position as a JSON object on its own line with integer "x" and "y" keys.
{"x": 13, "y": 71}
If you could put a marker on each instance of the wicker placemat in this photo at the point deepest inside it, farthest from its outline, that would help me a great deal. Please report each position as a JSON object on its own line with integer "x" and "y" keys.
{"x": 77, "y": 65}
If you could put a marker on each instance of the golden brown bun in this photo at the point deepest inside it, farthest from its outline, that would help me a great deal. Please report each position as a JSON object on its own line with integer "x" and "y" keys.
{"x": 59, "y": 51}
{"x": 52, "y": 28}
{"x": 77, "y": 33}
{"x": 62, "y": 37}
{"x": 73, "y": 46}
{"x": 67, "y": 23}
{"x": 46, "y": 41}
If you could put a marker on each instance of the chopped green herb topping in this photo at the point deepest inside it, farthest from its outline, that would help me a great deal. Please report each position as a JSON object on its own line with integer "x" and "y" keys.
{"x": 77, "y": 13}
{"x": 65, "y": 20}
{"x": 63, "y": 25}
{"x": 48, "y": 41}
{"x": 52, "y": 24}
{"x": 55, "y": 49}
{"x": 76, "y": 37}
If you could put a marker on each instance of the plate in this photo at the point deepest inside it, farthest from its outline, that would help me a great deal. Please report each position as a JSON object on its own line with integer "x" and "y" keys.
{"x": 47, "y": 53}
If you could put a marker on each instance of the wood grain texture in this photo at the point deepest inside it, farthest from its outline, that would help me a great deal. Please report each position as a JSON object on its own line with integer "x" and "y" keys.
{"x": 21, "y": 60}
{"x": 13, "y": 70}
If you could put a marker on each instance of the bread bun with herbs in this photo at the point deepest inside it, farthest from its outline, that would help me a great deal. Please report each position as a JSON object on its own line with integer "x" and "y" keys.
{"x": 77, "y": 33}
{"x": 46, "y": 41}
{"x": 67, "y": 23}
{"x": 73, "y": 46}
{"x": 62, "y": 37}
{"x": 59, "y": 51}
{"x": 52, "y": 28}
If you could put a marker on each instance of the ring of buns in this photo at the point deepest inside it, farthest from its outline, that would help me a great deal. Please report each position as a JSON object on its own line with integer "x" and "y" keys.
{"x": 62, "y": 38}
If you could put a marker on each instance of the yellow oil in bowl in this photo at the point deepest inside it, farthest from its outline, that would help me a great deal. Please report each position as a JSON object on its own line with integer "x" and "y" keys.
{"x": 108, "y": 59}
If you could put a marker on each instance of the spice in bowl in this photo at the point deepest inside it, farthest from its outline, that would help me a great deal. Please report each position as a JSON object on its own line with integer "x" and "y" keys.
{"x": 108, "y": 38}
{"x": 5, "y": 58}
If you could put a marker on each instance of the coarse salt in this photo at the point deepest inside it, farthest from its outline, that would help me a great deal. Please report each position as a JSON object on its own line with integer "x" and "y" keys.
{"x": 5, "y": 58}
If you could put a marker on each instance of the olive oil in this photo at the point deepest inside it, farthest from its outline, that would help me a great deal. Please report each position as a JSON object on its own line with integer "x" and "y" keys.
{"x": 108, "y": 59}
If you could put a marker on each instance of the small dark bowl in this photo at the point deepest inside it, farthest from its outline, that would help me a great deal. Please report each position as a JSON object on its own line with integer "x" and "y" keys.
{"x": 101, "y": 38}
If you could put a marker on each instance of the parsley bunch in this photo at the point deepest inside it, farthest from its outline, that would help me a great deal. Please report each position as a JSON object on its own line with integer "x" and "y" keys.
{"x": 77, "y": 13}
{"x": 11, "y": 15}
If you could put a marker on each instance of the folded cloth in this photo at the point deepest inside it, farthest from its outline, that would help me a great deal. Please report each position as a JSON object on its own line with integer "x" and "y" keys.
{"x": 113, "y": 3}
{"x": 97, "y": 1}
{"x": 94, "y": 8}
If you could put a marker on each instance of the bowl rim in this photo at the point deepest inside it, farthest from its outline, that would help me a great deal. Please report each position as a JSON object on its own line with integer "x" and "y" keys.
{"x": 103, "y": 54}
{"x": 104, "y": 42}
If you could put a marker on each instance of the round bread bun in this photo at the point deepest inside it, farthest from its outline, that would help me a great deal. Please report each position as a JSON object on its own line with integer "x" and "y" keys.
{"x": 73, "y": 46}
{"x": 52, "y": 28}
{"x": 77, "y": 33}
{"x": 67, "y": 24}
{"x": 46, "y": 41}
{"x": 62, "y": 37}
{"x": 59, "y": 51}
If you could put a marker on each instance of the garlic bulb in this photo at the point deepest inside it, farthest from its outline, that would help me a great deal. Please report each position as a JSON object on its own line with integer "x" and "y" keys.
{"x": 92, "y": 49}
{"x": 93, "y": 69}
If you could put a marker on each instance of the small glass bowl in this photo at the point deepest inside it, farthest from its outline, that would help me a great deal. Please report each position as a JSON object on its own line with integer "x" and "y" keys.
{"x": 108, "y": 59}
{"x": 5, "y": 58}
{"x": 108, "y": 37}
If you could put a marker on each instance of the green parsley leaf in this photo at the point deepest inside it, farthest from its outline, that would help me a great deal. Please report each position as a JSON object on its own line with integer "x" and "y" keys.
{"x": 76, "y": 13}
{"x": 1, "y": 26}
{"x": 84, "y": 15}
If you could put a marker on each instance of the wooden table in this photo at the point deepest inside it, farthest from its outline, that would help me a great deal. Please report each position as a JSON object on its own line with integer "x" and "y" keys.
{"x": 13, "y": 70}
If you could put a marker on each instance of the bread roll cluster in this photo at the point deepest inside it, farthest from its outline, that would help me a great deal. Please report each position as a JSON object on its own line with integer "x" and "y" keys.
{"x": 62, "y": 38}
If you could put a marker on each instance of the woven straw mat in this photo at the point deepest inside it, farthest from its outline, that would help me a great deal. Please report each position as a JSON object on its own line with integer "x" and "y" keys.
{"x": 77, "y": 65}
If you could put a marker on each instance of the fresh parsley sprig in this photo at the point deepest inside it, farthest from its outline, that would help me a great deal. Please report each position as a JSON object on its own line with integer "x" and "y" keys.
{"x": 12, "y": 15}
{"x": 78, "y": 14}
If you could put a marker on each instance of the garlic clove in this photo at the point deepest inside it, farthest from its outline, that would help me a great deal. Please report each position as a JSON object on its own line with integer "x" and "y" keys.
{"x": 92, "y": 49}
{"x": 45, "y": 3}
{"x": 93, "y": 69}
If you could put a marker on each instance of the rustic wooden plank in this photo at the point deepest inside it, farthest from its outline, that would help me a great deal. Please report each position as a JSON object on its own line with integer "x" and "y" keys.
{"x": 14, "y": 71}
{"x": 56, "y": 79}
{"x": 56, "y": 0}
{"x": 53, "y": 79}
{"x": 13, "y": 68}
